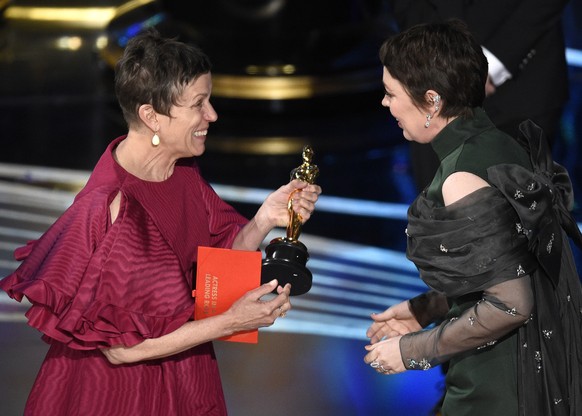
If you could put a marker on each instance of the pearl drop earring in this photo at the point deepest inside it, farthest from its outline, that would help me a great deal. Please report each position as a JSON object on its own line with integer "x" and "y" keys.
{"x": 156, "y": 139}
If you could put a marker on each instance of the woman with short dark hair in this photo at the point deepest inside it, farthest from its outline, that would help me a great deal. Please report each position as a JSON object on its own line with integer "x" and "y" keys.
{"x": 489, "y": 237}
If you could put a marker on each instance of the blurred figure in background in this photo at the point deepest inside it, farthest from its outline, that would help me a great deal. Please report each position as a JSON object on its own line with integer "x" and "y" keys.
{"x": 523, "y": 41}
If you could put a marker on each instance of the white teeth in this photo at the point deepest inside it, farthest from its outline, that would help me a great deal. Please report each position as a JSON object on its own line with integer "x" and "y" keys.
{"x": 201, "y": 133}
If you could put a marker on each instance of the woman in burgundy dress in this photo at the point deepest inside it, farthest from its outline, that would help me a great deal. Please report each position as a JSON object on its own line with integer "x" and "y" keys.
{"x": 110, "y": 282}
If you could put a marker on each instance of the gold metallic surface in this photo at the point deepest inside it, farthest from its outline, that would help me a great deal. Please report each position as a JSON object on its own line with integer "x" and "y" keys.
{"x": 306, "y": 172}
{"x": 271, "y": 70}
{"x": 131, "y": 5}
{"x": 110, "y": 54}
{"x": 83, "y": 17}
{"x": 270, "y": 82}
{"x": 284, "y": 87}
{"x": 291, "y": 87}
{"x": 267, "y": 145}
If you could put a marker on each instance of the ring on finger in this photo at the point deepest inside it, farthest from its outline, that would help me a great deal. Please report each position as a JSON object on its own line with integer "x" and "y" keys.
{"x": 374, "y": 364}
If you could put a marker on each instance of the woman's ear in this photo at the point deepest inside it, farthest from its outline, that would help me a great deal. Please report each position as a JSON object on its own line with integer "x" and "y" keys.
{"x": 148, "y": 116}
{"x": 433, "y": 101}
{"x": 432, "y": 98}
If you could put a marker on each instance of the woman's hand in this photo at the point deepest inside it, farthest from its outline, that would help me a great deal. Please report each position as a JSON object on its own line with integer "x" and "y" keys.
{"x": 251, "y": 312}
{"x": 394, "y": 321}
{"x": 274, "y": 211}
{"x": 385, "y": 356}
{"x": 385, "y": 333}
{"x": 247, "y": 313}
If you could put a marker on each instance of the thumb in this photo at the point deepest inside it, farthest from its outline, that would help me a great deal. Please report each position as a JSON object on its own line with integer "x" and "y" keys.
{"x": 264, "y": 289}
{"x": 297, "y": 184}
{"x": 383, "y": 316}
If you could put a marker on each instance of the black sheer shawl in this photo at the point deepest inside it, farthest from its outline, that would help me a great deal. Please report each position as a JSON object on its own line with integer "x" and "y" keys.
{"x": 509, "y": 241}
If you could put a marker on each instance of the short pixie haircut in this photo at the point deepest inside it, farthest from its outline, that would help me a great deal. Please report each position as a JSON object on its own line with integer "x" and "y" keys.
{"x": 155, "y": 70}
{"x": 444, "y": 57}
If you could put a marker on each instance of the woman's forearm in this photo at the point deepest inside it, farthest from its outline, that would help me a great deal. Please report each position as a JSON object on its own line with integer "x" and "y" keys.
{"x": 249, "y": 312}
{"x": 189, "y": 335}
{"x": 250, "y": 236}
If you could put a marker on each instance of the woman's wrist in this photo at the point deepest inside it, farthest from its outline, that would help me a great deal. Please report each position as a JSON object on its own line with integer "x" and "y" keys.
{"x": 262, "y": 221}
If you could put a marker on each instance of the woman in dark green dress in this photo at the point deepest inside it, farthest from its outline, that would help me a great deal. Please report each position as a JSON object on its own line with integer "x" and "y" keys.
{"x": 489, "y": 236}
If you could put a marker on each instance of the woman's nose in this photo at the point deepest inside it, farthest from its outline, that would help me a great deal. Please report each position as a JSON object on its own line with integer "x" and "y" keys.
{"x": 210, "y": 114}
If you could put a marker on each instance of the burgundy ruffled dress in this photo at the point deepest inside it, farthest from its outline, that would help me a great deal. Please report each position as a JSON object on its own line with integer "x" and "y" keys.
{"x": 93, "y": 284}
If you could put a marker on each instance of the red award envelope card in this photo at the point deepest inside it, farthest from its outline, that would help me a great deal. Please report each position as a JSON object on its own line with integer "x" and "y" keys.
{"x": 222, "y": 277}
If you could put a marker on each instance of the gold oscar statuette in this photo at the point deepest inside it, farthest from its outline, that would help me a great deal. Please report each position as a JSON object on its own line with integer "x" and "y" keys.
{"x": 286, "y": 257}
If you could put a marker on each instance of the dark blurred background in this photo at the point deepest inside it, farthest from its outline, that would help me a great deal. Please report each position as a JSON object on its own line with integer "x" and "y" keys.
{"x": 286, "y": 73}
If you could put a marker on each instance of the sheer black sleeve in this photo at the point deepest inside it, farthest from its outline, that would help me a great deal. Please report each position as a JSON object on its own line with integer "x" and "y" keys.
{"x": 429, "y": 307}
{"x": 504, "y": 307}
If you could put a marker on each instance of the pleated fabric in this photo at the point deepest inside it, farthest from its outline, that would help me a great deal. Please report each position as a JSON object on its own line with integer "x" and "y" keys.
{"x": 93, "y": 284}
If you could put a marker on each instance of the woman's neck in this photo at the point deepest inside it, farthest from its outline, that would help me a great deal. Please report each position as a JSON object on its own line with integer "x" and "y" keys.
{"x": 139, "y": 157}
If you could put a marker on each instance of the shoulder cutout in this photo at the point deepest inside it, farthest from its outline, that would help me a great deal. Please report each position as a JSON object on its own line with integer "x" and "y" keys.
{"x": 460, "y": 184}
{"x": 114, "y": 207}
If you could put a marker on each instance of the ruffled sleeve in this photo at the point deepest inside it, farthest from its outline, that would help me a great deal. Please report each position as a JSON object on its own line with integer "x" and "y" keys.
{"x": 92, "y": 286}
